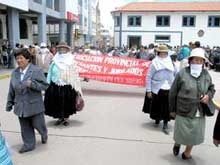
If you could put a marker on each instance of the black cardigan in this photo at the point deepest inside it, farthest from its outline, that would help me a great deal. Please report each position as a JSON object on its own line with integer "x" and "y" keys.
{"x": 216, "y": 133}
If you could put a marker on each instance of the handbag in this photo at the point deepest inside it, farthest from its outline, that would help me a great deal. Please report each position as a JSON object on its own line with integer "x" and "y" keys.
{"x": 208, "y": 109}
{"x": 79, "y": 104}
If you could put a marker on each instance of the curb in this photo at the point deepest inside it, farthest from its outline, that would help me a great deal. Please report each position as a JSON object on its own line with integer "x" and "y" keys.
{"x": 3, "y": 76}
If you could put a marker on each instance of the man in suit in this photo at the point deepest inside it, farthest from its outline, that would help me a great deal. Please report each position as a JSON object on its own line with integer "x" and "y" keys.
{"x": 27, "y": 82}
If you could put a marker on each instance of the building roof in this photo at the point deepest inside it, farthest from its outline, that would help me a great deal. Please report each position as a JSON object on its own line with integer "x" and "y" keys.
{"x": 169, "y": 7}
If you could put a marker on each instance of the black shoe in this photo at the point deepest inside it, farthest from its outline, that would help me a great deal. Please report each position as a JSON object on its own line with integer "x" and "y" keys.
{"x": 165, "y": 129}
{"x": 59, "y": 121}
{"x": 157, "y": 122}
{"x": 23, "y": 150}
{"x": 66, "y": 123}
{"x": 184, "y": 157}
{"x": 44, "y": 140}
{"x": 176, "y": 150}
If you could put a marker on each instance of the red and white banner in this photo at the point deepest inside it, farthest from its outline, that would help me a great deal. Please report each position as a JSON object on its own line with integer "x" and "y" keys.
{"x": 120, "y": 70}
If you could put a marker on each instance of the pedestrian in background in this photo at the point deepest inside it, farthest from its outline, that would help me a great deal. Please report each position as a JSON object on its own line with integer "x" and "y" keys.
{"x": 192, "y": 86}
{"x": 159, "y": 80}
{"x": 142, "y": 54}
{"x": 33, "y": 53}
{"x": 5, "y": 55}
{"x": 64, "y": 82}
{"x": 183, "y": 55}
{"x": 27, "y": 82}
{"x": 44, "y": 58}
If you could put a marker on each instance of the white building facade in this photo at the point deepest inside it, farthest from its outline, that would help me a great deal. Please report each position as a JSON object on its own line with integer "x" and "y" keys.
{"x": 166, "y": 23}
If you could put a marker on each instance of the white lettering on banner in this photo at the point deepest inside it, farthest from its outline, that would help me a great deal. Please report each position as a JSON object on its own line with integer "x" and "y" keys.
{"x": 118, "y": 70}
{"x": 120, "y": 61}
{"x": 91, "y": 67}
{"x": 134, "y": 71}
{"x": 89, "y": 58}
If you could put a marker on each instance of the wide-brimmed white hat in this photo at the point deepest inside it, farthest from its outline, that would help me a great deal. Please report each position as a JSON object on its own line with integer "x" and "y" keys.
{"x": 197, "y": 52}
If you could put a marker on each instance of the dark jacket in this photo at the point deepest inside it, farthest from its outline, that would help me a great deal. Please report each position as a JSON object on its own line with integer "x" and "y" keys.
{"x": 27, "y": 101}
{"x": 186, "y": 91}
{"x": 216, "y": 133}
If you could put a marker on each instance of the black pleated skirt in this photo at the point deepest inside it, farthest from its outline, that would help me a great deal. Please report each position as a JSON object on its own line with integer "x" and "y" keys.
{"x": 59, "y": 101}
{"x": 157, "y": 106}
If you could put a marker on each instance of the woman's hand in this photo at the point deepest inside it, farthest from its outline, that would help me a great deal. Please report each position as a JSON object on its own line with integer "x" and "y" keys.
{"x": 205, "y": 99}
{"x": 27, "y": 83}
{"x": 173, "y": 115}
{"x": 149, "y": 94}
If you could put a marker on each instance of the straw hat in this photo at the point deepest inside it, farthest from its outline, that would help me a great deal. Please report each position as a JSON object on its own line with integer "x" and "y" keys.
{"x": 162, "y": 49}
{"x": 63, "y": 45}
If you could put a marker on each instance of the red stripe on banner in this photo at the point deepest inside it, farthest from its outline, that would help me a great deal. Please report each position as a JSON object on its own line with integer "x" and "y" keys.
{"x": 120, "y": 70}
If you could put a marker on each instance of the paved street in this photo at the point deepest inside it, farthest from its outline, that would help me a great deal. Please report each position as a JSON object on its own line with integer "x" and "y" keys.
{"x": 111, "y": 130}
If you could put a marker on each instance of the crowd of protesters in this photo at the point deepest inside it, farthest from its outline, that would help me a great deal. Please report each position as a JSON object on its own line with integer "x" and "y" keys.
{"x": 171, "y": 92}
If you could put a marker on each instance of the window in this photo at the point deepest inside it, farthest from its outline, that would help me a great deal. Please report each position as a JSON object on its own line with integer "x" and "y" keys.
{"x": 80, "y": 2}
{"x": 23, "y": 29}
{"x": 38, "y": 1}
{"x": 85, "y": 21}
{"x": 188, "y": 21}
{"x": 56, "y": 5}
{"x": 1, "y": 30}
{"x": 214, "y": 21}
{"x": 134, "y": 21}
{"x": 162, "y": 38}
{"x": 85, "y": 4}
{"x": 163, "y": 20}
{"x": 49, "y": 4}
{"x": 93, "y": 25}
{"x": 81, "y": 19}
{"x": 117, "y": 21}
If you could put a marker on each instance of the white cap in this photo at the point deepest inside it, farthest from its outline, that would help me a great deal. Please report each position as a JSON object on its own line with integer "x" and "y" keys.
{"x": 43, "y": 45}
{"x": 198, "y": 52}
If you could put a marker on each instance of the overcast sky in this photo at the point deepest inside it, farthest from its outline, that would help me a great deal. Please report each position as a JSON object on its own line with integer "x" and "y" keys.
{"x": 106, "y": 6}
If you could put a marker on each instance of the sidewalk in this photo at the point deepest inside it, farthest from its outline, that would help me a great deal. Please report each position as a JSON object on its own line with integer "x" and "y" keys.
{"x": 5, "y": 73}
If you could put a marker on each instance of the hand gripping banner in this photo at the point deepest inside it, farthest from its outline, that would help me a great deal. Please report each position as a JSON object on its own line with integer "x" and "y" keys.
{"x": 119, "y": 70}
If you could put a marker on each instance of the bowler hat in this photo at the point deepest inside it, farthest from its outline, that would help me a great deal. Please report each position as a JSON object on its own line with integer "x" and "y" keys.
{"x": 162, "y": 49}
{"x": 63, "y": 45}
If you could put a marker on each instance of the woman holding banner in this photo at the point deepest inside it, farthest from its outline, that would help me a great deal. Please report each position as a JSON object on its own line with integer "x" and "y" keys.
{"x": 159, "y": 80}
{"x": 64, "y": 82}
